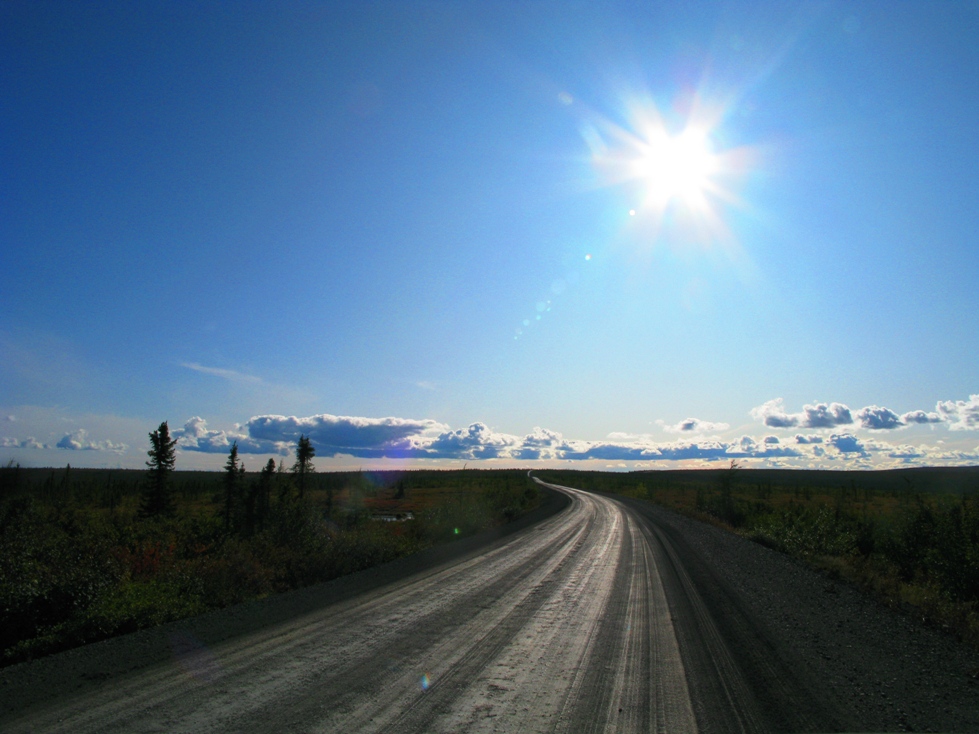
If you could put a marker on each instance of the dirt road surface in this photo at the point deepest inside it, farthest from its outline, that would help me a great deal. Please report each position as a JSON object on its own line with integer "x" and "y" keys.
{"x": 606, "y": 616}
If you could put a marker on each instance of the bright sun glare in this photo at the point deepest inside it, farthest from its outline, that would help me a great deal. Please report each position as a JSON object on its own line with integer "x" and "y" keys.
{"x": 678, "y": 167}
{"x": 680, "y": 181}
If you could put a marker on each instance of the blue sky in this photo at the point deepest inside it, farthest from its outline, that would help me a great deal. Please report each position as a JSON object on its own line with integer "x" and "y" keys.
{"x": 615, "y": 235}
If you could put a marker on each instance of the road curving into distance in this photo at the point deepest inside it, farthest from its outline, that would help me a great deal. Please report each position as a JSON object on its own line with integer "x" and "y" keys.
{"x": 598, "y": 618}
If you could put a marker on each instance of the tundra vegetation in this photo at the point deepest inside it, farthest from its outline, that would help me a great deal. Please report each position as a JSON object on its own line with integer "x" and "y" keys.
{"x": 86, "y": 554}
{"x": 908, "y": 536}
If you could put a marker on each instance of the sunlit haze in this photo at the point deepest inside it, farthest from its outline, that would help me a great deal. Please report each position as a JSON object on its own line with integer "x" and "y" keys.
{"x": 603, "y": 236}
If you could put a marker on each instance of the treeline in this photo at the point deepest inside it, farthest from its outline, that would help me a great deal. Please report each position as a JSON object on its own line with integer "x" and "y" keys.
{"x": 88, "y": 554}
{"x": 909, "y": 536}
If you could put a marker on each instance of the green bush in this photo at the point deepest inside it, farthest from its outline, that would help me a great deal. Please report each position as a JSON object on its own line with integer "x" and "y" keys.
{"x": 806, "y": 532}
{"x": 70, "y": 574}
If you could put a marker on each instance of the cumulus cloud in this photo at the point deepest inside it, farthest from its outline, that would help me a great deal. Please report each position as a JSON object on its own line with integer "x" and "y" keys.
{"x": 538, "y": 444}
{"x": 73, "y": 441}
{"x": 811, "y": 438}
{"x": 819, "y": 415}
{"x": 906, "y": 454}
{"x": 962, "y": 415}
{"x": 475, "y": 442}
{"x": 773, "y": 414}
{"x": 879, "y": 419}
{"x": 695, "y": 425}
{"x": 78, "y": 441}
{"x": 196, "y": 436}
{"x": 941, "y": 455}
{"x": 920, "y": 416}
{"x": 825, "y": 416}
{"x": 354, "y": 436}
{"x": 609, "y": 451}
{"x": 699, "y": 450}
{"x": 847, "y": 443}
{"x": 769, "y": 447}
{"x": 28, "y": 443}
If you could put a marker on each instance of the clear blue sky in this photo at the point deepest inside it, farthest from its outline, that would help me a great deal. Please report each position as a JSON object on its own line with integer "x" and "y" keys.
{"x": 593, "y": 234}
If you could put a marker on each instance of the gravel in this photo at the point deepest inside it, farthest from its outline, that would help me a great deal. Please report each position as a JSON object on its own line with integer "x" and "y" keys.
{"x": 880, "y": 669}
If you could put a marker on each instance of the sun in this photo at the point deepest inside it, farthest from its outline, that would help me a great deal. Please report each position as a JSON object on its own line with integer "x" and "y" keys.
{"x": 678, "y": 168}
{"x": 678, "y": 180}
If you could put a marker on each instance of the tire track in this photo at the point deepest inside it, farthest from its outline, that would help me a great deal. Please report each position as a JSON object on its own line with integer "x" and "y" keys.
{"x": 566, "y": 626}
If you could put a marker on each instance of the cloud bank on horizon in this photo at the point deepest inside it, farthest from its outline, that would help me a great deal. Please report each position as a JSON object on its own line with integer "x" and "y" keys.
{"x": 408, "y": 439}
{"x": 833, "y": 433}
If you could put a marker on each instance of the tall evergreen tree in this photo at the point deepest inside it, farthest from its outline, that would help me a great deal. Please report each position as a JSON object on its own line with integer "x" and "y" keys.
{"x": 157, "y": 498}
{"x": 282, "y": 483}
{"x": 265, "y": 480}
{"x": 304, "y": 462}
{"x": 232, "y": 482}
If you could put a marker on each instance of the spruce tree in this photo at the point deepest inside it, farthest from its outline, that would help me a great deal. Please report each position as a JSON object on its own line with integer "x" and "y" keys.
{"x": 265, "y": 492}
{"x": 157, "y": 498}
{"x": 232, "y": 481}
{"x": 304, "y": 462}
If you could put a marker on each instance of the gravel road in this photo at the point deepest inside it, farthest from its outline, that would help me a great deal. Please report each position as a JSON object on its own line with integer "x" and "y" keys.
{"x": 606, "y": 615}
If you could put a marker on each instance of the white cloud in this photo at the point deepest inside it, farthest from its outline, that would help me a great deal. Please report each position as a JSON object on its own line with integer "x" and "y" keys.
{"x": 962, "y": 415}
{"x": 907, "y": 454}
{"x": 73, "y": 440}
{"x": 78, "y": 440}
{"x": 818, "y": 415}
{"x": 28, "y": 443}
{"x": 879, "y": 419}
{"x": 475, "y": 442}
{"x": 608, "y": 451}
{"x": 695, "y": 425}
{"x": 332, "y": 435}
{"x": 847, "y": 444}
{"x": 773, "y": 414}
{"x": 920, "y": 416}
{"x": 822, "y": 415}
{"x": 196, "y": 436}
{"x": 683, "y": 450}
{"x": 540, "y": 443}
{"x": 811, "y": 438}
